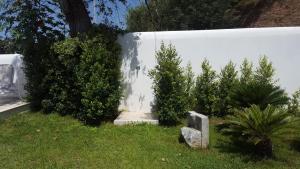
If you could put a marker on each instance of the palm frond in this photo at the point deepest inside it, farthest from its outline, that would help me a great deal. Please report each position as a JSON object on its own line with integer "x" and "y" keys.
{"x": 259, "y": 126}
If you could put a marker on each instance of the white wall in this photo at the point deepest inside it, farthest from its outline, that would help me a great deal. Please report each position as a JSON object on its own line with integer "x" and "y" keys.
{"x": 281, "y": 45}
{"x": 18, "y": 77}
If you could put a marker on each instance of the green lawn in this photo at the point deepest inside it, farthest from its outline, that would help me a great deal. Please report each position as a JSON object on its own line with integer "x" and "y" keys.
{"x": 35, "y": 140}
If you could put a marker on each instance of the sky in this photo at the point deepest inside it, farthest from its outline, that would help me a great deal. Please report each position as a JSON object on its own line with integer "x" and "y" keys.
{"x": 120, "y": 11}
{"x": 118, "y": 17}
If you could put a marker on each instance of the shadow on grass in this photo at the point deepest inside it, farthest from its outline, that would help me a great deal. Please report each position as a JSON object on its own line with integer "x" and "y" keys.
{"x": 295, "y": 145}
{"x": 97, "y": 122}
{"x": 239, "y": 148}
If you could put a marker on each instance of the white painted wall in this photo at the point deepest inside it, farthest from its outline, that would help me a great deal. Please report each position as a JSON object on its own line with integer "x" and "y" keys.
{"x": 281, "y": 45}
{"x": 18, "y": 77}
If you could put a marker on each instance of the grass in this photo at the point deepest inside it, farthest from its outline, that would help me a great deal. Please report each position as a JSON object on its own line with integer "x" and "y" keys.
{"x": 35, "y": 140}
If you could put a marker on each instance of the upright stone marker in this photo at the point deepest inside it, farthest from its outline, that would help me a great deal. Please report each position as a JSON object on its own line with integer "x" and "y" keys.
{"x": 200, "y": 122}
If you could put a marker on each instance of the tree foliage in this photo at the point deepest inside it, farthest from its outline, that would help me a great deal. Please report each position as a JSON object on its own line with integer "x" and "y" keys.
{"x": 162, "y": 15}
{"x": 77, "y": 13}
{"x": 32, "y": 27}
{"x": 178, "y": 15}
{"x": 7, "y": 46}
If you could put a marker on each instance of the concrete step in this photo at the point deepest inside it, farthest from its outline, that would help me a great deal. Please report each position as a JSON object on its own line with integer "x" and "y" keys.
{"x": 10, "y": 109}
{"x": 136, "y": 118}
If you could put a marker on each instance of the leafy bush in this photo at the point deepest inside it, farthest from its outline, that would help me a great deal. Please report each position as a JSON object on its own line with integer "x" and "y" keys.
{"x": 227, "y": 84}
{"x": 64, "y": 94}
{"x": 84, "y": 79}
{"x": 99, "y": 79}
{"x": 206, "y": 90}
{"x": 36, "y": 59}
{"x": 258, "y": 87}
{"x": 259, "y": 127}
{"x": 168, "y": 85}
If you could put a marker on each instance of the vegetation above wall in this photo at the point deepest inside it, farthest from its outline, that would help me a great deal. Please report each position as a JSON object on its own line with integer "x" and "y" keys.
{"x": 162, "y": 15}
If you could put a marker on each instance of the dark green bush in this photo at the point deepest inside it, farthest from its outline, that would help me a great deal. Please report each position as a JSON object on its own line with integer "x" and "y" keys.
{"x": 206, "y": 90}
{"x": 36, "y": 59}
{"x": 64, "y": 94}
{"x": 84, "y": 79}
{"x": 99, "y": 79}
{"x": 169, "y": 86}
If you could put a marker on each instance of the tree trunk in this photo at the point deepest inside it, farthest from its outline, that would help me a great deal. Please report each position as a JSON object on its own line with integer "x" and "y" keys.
{"x": 265, "y": 148}
{"x": 76, "y": 15}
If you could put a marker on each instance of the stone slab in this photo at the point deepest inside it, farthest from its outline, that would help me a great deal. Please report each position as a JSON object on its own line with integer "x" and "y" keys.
{"x": 7, "y": 110}
{"x": 192, "y": 137}
{"x": 126, "y": 118}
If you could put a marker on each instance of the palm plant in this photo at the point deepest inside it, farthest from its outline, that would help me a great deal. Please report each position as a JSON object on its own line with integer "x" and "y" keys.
{"x": 259, "y": 127}
{"x": 260, "y": 94}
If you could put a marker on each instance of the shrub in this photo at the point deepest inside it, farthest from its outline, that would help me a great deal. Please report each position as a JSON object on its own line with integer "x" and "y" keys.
{"x": 227, "y": 84}
{"x": 206, "y": 90}
{"x": 64, "y": 94}
{"x": 265, "y": 73}
{"x": 35, "y": 68}
{"x": 259, "y": 127}
{"x": 99, "y": 79}
{"x": 294, "y": 104}
{"x": 168, "y": 85}
{"x": 258, "y": 87}
{"x": 246, "y": 72}
{"x": 189, "y": 87}
{"x": 84, "y": 79}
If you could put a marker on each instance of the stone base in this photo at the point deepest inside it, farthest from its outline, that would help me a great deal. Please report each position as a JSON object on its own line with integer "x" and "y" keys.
{"x": 136, "y": 118}
{"x": 10, "y": 109}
